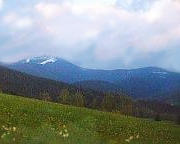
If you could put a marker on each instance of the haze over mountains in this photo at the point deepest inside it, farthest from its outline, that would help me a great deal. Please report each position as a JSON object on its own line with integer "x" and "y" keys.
{"x": 143, "y": 83}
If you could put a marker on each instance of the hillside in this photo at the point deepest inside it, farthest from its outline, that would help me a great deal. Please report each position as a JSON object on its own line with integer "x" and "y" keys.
{"x": 26, "y": 85}
{"x": 30, "y": 121}
{"x": 102, "y": 86}
{"x": 14, "y": 82}
{"x": 143, "y": 83}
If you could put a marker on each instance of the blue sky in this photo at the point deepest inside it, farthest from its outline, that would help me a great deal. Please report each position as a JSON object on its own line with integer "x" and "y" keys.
{"x": 105, "y": 34}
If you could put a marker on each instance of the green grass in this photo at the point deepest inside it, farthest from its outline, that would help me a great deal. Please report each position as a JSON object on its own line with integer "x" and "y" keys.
{"x": 27, "y": 121}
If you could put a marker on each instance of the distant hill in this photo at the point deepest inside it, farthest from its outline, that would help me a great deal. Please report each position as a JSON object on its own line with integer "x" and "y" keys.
{"x": 22, "y": 84}
{"x": 142, "y": 83}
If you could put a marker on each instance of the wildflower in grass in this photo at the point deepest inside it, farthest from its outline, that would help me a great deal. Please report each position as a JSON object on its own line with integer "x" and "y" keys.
{"x": 131, "y": 137}
{"x": 2, "y": 136}
{"x": 137, "y": 136}
{"x": 127, "y": 140}
{"x": 8, "y": 131}
{"x": 14, "y": 139}
{"x": 64, "y": 132}
{"x": 65, "y": 135}
{"x": 60, "y": 132}
{"x": 5, "y": 128}
{"x": 53, "y": 129}
{"x": 14, "y": 129}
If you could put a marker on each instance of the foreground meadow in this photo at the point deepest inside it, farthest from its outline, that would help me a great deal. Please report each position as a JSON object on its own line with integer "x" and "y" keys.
{"x": 27, "y": 121}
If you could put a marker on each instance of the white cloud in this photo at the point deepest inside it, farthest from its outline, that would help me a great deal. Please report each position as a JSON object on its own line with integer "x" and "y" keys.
{"x": 94, "y": 2}
{"x": 141, "y": 34}
{"x": 61, "y": 23}
{"x": 1, "y": 4}
{"x": 135, "y": 5}
{"x": 9, "y": 18}
{"x": 17, "y": 22}
{"x": 116, "y": 33}
{"x": 48, "y": 10}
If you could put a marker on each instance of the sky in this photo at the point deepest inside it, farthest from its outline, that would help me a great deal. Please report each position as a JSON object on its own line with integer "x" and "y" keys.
{"x": 105, "y": 34}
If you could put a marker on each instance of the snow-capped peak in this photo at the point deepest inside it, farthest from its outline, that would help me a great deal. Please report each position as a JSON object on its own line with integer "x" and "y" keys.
{"x": 51, "y": 60}
{"x": 42, "y": 60}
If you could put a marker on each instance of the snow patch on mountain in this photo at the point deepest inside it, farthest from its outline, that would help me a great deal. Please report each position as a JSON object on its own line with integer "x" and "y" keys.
{"x": 52, "y": 60}
{"x": 163, "y": 73}
{"x": 28, "y": 60}
{"x": 162, "y": 77}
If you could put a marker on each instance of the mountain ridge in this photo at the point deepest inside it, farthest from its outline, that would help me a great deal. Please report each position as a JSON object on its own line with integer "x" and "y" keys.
{"x": 143, "y": 83}
{"x": 65, "y": 61}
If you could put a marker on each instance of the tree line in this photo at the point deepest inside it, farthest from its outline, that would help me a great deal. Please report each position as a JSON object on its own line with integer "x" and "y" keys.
{"x": 117, "y": 103}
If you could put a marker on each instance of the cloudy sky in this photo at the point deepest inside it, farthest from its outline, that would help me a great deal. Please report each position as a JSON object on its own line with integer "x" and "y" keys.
{"x": 105, "y": 34}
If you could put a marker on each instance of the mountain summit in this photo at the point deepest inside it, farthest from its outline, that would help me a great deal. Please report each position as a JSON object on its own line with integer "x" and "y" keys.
{"x": 42, "y": 60}
{"x": 149, "y": 82}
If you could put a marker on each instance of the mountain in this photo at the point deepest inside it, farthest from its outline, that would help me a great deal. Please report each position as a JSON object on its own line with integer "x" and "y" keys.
{"x": 61, "y": 70}
{"x": 142, "y": 83}
{"x": 47, "y": 67}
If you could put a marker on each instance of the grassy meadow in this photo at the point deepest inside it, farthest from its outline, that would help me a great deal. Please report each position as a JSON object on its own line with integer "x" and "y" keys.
{"x": 29, "y": 121}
